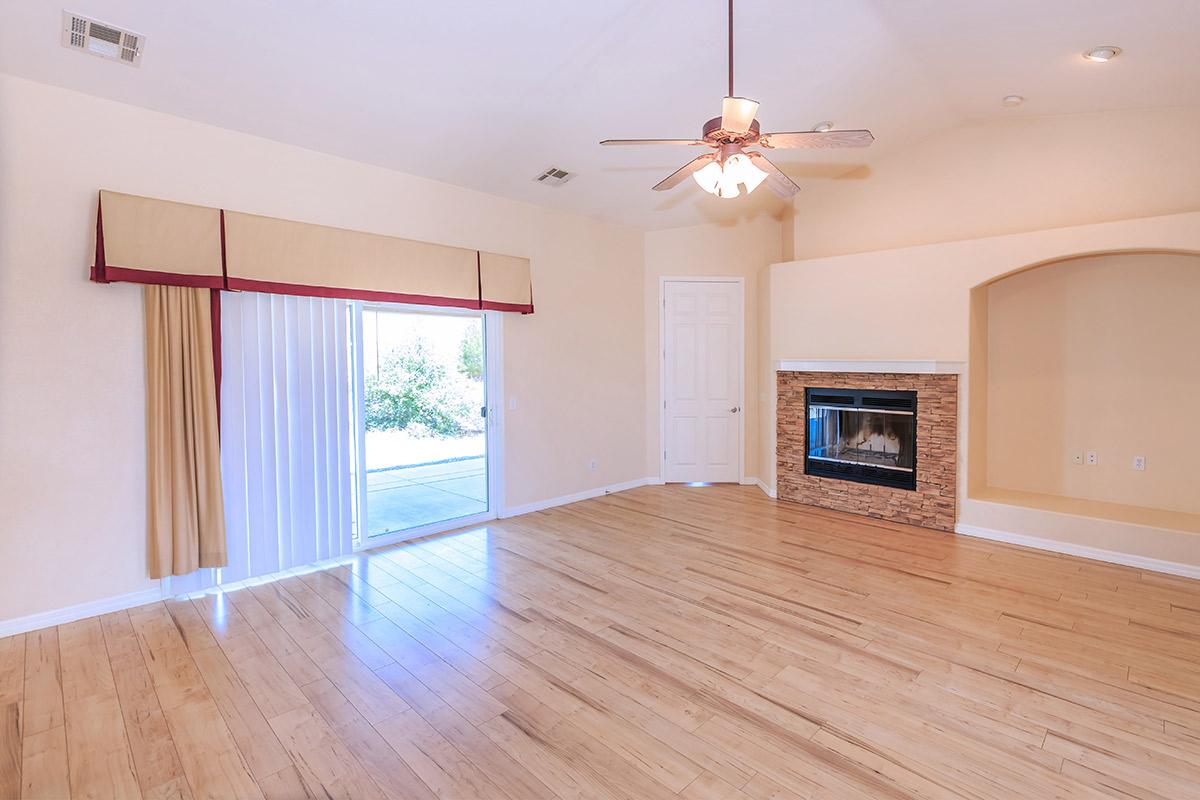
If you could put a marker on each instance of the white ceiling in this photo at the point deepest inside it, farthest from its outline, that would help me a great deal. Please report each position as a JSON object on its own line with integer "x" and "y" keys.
{"x": 487, "y": 95}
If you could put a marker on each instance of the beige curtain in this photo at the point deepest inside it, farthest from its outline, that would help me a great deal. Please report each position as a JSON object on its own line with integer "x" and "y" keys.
{"x": 185, "y": 509}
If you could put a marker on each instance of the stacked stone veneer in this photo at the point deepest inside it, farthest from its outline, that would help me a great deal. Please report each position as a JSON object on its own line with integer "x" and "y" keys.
{"x": 932, "y": 505}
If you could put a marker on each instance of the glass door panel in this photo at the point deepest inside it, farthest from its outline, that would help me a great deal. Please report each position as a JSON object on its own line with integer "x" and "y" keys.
{"x": 424, "y": 432}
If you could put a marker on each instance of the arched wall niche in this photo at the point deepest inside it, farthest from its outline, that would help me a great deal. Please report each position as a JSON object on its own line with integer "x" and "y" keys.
{"x": 1094, "y": 351}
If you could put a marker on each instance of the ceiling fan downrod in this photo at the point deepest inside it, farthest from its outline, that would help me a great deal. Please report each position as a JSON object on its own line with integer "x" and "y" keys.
{"x": 730, "y": 49}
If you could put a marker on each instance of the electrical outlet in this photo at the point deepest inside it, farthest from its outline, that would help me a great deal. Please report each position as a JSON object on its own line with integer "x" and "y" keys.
{"x": 1139, "y": 463}
{"x": 592, "y": 464}
{"x": 1092, "y": 460}
{"x": 1077, "y": 458}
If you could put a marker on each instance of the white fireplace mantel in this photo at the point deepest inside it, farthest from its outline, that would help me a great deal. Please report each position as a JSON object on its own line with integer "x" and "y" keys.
{"x": 906, "y": 367}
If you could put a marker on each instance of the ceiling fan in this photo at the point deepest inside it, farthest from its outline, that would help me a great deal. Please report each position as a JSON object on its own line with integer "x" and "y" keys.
{"x": 720, "y": 172}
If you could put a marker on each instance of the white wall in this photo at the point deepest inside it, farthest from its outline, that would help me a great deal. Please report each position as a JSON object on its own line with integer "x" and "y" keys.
{"x": 741, "y": 250}
{"x": 71, "y": 386}
{"x": 1026, "y": 174}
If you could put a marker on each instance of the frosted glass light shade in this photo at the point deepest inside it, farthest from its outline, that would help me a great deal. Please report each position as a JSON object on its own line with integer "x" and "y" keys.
{"x": 727, "y": 186}
{"x": 740, "y": 169}
{"x": 708, "y": 177}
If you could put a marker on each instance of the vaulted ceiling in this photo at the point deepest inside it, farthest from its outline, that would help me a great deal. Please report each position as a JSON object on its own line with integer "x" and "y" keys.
{"x": 487, "y": 95}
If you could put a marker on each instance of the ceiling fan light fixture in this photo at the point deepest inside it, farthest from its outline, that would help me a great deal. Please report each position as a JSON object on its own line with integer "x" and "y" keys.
{"x": 708, "y": 177}
{"x": 730, "y": 167}
{"x": 727, "y": 187}
{"x": 1103, "y": 53}
{"x": 741, "y": 169}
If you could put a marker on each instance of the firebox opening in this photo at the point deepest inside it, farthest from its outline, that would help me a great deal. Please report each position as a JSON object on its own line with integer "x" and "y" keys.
{"x": 862, "y": 435}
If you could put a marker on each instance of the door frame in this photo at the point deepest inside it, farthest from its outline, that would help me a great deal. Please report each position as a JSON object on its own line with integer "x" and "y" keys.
{"x": 740, "y": 282}
{"x": 493, "y": 338}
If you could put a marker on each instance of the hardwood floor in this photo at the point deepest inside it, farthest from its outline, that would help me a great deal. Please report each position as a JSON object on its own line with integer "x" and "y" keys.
{"x": 664, "y": 642}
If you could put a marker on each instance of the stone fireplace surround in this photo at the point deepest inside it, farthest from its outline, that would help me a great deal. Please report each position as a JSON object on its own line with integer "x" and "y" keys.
{"x": 933, "y": 503}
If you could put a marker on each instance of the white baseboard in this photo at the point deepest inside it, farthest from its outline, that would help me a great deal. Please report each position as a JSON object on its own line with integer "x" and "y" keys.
{"x": 761, "y": 484}
{"x": 60, "y": 616}
{"x": 1083, "y": 551}
{"x": 540, "y": 505}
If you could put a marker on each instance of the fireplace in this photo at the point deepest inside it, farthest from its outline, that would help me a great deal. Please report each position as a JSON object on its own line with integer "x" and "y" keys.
{"x": 862, "y": 435}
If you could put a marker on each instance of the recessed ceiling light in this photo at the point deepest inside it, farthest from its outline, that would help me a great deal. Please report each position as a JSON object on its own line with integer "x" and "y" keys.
{"x": 1104, "y": 53}
{"x": 1012, "y": 100}
{"x": 823, "y": 127}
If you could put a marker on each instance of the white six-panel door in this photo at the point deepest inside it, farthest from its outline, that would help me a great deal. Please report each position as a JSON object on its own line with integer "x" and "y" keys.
{"x": 702, "y": 374}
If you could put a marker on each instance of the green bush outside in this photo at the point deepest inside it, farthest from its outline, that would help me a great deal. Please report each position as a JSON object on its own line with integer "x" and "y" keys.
{"x": 412, "y": 391}
{"x": 470, "y": 353}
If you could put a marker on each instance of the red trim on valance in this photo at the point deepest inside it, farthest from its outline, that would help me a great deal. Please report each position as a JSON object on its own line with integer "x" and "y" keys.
{"x": 98, "y": 267}
{"x": 224, "y": 264}
{"x": 479, "y": 278}
{"x": 520, "y": 308}
{"x": 214, "y": 310}
{"x": 302, "y": 290}
{"x": 110, "y": 274}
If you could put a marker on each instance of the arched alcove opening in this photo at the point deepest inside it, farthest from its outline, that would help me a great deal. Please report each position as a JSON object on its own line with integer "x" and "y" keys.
{"x": 1100, "y": 354}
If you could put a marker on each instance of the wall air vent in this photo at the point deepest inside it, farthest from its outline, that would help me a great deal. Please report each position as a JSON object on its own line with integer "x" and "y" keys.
{"x": 554, "y": 177}
{"x": 101, "y": 39}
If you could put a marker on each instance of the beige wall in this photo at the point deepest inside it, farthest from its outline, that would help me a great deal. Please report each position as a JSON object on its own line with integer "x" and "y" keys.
{"x": 930, "y": 288}
{"x": 71, "y": 386}
{"x": 1027, "y": 174}
{"x": 1099, "y": 354}
{"x": 742, "y": 250}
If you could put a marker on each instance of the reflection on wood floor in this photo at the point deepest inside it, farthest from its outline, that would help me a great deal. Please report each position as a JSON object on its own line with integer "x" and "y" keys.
{"x": 662, "y": 642}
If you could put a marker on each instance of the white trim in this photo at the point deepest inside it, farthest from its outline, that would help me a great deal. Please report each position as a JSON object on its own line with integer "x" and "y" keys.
{"x": 493, "y": 339}
{"x": 441, "y": 526}
{"x": 1083, "y": 551}
{"x": 769, "y": 491}
{"x": 907, "y": 367}
{"x": 663, "y": 280}
{"x": 566, "y": 499}
{"x": 61, "y": 616}
{"x": 493, "y": 342}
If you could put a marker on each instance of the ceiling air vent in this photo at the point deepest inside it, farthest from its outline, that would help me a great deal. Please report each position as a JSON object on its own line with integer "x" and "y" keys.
{"x": 554, "y": 177}
{"x": 101, "y": 39}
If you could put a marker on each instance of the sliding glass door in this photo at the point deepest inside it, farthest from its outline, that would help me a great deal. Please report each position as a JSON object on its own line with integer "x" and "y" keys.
{"x": 421, "y": 424}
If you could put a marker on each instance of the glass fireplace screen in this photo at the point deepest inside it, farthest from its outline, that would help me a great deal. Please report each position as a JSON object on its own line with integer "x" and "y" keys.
{"x": 881, "y": 438}
{"x": 867, "y": 436}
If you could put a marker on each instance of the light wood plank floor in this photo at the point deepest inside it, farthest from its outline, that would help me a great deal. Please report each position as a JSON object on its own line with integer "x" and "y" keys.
{"x": 663, "y": 642}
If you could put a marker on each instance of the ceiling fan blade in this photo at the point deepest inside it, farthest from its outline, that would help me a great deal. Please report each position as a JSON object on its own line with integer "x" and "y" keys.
{"x": 674, "y": 179}
{"x": 780, "y": 184}
{"x": 815, "y": 140}
{"x": 654, "y": 141}
{"x": 737, "y": 113}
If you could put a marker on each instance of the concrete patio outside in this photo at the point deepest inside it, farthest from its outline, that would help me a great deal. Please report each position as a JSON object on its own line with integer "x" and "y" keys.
{"x": 406, "y": 497}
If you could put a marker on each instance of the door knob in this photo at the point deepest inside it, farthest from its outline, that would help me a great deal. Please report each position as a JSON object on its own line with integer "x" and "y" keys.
{"x": 735, "y": 409}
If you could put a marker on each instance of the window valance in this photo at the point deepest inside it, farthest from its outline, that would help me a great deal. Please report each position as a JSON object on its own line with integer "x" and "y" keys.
{"x": 504, "y": 283}
{"x": 143, "y": 240}
{"x": 140, "y": 240}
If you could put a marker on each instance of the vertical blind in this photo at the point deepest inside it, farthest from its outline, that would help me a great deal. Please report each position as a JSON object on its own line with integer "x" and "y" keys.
{"x": 285, "y": 435}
